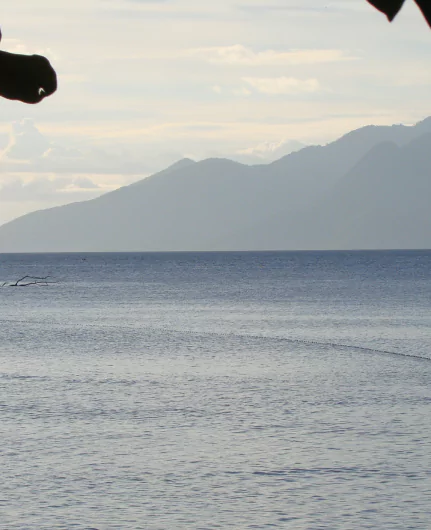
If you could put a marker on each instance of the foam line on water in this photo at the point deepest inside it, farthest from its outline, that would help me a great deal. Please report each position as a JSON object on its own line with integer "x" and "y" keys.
{"x": 266, "y": 337}
{"x": 293, "y": 341}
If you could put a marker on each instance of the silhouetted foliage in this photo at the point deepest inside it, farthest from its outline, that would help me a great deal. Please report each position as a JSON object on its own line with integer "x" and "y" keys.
{"x": 27, "y": 78}
{"x": 392, "y": 7}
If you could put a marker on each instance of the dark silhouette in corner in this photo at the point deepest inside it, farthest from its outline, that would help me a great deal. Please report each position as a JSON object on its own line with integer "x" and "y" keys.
{"x": 26, "y": 78}
{"x": 392, "y": 7}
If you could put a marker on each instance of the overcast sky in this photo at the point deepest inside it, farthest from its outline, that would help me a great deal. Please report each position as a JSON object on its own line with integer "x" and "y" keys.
{"x": 143, "y": 83}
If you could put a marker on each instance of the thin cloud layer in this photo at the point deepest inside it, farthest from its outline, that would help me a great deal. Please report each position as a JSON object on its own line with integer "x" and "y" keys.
{"x": 47, "y": 189}
{"x": 241, "y": 55}
{"x": 282, "y": 85}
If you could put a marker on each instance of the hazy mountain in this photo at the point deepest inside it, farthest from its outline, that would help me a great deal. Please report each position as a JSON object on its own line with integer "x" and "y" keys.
{"x": 383, "y": 202}
{"x": 369, "y": 189}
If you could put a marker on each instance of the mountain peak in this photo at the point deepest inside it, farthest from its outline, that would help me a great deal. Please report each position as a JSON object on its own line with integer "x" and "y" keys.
{"x": 179, "y": 164}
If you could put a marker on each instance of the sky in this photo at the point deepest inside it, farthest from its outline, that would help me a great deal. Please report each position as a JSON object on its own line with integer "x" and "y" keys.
{"x": 143, "y": 83}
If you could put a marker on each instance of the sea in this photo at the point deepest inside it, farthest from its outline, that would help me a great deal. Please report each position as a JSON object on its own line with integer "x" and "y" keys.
{"x": 186, "y": 391}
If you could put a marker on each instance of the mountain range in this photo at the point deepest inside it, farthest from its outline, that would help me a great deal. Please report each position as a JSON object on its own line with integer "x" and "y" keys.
{"x": 370, "y": 189}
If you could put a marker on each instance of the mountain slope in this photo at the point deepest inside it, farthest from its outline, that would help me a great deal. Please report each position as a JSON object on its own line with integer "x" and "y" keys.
{"x": 382, "y": 203}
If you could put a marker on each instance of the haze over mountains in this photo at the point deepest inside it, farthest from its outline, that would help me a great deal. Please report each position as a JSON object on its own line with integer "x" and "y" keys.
{"x": 369, "y": 189}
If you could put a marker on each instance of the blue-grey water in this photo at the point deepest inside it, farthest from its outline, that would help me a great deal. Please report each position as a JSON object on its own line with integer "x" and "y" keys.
{"x": 216, "y": 390}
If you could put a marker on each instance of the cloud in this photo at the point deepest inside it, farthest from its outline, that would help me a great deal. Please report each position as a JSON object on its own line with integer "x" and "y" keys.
{"x": 241, "y": 55}
{"x": 272, "y": 150}
{"x": 29, "y": 151}
{"x": 244, "y": 92}
{"x": 282, "y": 85}
{"x": 286, "y": 8}
{"x": 47, "y": 189}
{"x": 85, "y": 183}
{"x": 25, "y": 142}
{"x": 19, "y": 46}
{"x": 344, "y": 6}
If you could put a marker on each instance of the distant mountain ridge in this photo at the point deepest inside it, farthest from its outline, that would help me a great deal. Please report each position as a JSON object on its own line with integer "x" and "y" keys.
{"x": 371, "y": 188}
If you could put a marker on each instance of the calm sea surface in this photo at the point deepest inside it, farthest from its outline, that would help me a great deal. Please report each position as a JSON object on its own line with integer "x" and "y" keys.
{"x": 216, "y": 390}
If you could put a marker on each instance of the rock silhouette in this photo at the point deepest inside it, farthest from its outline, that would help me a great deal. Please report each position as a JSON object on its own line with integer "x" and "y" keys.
{"x": 392, "y": 7}
{"x": 26, "y": 78}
